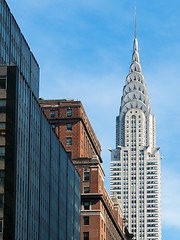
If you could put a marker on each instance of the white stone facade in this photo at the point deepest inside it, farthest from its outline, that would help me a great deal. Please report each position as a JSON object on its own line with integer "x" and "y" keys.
{"x": 135, "y": 173}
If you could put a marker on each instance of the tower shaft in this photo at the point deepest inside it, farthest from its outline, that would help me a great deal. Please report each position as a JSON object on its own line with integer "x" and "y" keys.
{"x": 135, "y": 163}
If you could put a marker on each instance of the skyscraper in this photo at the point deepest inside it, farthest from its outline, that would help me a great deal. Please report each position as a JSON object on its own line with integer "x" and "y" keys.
{"x": 39, "y": 185}
{"x": 135, "y": 173}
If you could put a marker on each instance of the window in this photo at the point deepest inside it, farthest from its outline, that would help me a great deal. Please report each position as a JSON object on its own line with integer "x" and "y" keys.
{"x": 68, "y": 141}
{"x": 1, "y": 200}
{"x": 86, "y": 189}
{"x": 1, "y": 177}
{"x": 2, "y": 106}
{"x": 86, "y": 176}
{"x": 86, "y": 205}
{"x": 86, "y": 235}
{"x": 86, "y": 220}
{"x": 2, "y": 83}
{"x": 1, "y": 225}
{"x": 2, "y": 129}
{"x": 53, "y": 126}
{"x": 2, "y": 151}
{"x": 69, "y": 127}
{"x": 69, "y": 112}
{"x": 69, "y": 155}
{"x": 52, "y": 113}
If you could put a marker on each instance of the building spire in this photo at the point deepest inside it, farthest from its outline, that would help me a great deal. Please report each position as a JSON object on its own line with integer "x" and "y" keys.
{"x": 135, "y": 35}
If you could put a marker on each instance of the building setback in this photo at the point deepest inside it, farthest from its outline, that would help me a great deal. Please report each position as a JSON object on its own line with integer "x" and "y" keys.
{"x": 135, "y": 173}
{"x": 39, "y": 185}
{"x": 101, "y": 217}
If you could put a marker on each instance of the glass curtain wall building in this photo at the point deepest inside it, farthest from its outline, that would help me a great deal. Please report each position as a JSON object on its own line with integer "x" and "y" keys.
{"x": 39, "y": 186}
{"x": 14, "y": 49}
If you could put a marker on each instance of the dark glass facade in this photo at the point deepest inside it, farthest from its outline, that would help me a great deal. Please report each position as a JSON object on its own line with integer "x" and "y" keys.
{"x": 39, "y": 185}
{"x": 14, "y": 49}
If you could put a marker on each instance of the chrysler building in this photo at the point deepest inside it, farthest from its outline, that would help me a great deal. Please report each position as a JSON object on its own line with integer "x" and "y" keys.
{"x": 135, "y": 173}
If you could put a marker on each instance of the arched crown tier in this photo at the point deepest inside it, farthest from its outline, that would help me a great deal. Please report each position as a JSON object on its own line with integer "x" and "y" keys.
{"x": 135, "y": 94}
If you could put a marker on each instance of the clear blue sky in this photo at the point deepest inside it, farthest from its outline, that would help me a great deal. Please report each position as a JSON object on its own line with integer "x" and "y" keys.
{"x": 84, "y": 50}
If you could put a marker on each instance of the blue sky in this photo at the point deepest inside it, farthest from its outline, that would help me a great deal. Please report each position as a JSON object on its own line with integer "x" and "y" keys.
{"x": 84, "y": 51}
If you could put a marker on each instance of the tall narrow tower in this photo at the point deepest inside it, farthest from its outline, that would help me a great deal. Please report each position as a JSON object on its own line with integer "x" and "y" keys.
{"x": 135, "y": 163}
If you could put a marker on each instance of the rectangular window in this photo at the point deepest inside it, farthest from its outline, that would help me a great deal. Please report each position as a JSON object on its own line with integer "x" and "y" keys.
{"x": 1, "y": 225}
{"x": 68, "y": 141}
{"x": 69, "y": 112}
{"x": 69, "y": 126}
{"x": 86, "y": 189}
{"x": 2, "y": 129}
{"x": 2, "y": 83}
{"x": 86, "y": 176}
{"x": 2, "y": 102}
{"x": 1, "y": 200}
{"x": 2, "y": 106}
{"x": 86, "y": 220}
{"x": 52, "y": 113}
{"x": 86, "y": 235}
{"x": 1, "y": 177}
{"x": 86, "y": 205}
{"x": 2, "y": 151}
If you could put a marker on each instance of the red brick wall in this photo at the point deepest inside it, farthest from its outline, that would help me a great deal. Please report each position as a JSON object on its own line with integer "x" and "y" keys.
{"x": 93, "y": 228}
{"x": 82, "y": 134}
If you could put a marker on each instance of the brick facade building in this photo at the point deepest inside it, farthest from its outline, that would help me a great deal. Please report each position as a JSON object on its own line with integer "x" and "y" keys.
{"x": 71, "y": 124}
{"x": 101, "y": 216}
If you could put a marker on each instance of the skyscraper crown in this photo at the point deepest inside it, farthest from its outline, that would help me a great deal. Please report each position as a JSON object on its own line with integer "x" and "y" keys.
{"x": 135, "y": 94}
